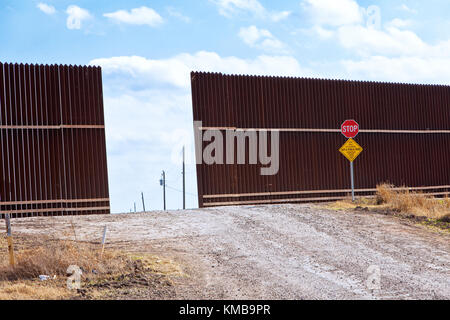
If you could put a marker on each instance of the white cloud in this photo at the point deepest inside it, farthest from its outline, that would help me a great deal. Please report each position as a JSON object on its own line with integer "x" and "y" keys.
{"x": 400, "y": 69}
{"x": 137, "y": 16}
{"x": 47, "y": 9}
{"x": 333, "y": 12}
{"x": 389, "y": 52}
{"x": 317, "y": 30}
{"x": 278, "y": 16}
{"x": 405, "y": 8}
{"x": 230, "y": 8}
{"x": 399, "y": 23}
{"x": 175, "y": 71}
{"x": 391, "y": 41}
{"x": 175, "y": 13}
{"x": 76, "y": 16}
{"x": 260, "y": 38}
{"x": 322, "y": 32}
{"x": 345, "y": 22}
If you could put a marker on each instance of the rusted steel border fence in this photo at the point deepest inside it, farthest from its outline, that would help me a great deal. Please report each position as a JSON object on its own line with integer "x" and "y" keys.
{"x": 405, "y": 133}
{"x": 52, "y": 141}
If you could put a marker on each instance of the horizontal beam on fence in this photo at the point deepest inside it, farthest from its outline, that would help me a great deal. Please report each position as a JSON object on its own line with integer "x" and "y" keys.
{"x": 57, "y": 127}
{"x": 56, "y": 210}
{"x": 285, "y": 193}
{"x": 9, "y": 203}
{"x": 231, "y": 203}
{"x": 325, "y": 130}
{"x": 293, "y": 200}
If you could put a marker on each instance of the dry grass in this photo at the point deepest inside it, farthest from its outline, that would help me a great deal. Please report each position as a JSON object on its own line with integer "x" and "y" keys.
{"x": 346, "y": 204}
{"x": 415, "y": 203}
{"x": 158, "y": 265}
{"x": 53, "y": 257}
{"x": 33, "y": 291}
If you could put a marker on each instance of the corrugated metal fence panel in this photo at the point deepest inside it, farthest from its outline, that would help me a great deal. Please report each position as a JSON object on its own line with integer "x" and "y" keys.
{"x": 52, "y": 141}
{"x": 405, "y": 135}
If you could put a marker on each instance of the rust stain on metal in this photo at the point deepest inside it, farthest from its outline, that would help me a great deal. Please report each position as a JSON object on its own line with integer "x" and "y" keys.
{"x": 52, "y": 141}
{"x": 409, "y": 123}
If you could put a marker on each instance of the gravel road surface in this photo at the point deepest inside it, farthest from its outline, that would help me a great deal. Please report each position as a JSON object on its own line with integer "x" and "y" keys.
{"x": 276, "y": 251}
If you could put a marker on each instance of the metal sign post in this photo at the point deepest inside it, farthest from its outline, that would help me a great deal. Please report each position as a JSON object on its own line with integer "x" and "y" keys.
{"x": 352, "y": 180}
{"x": 351, "y": 149}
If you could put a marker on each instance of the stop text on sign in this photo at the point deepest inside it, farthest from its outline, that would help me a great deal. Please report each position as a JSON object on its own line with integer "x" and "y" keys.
{"x": 350, "y": 128}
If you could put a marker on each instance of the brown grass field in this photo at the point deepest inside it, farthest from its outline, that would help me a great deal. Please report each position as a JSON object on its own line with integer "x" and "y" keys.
{"x": 113, "y": 275}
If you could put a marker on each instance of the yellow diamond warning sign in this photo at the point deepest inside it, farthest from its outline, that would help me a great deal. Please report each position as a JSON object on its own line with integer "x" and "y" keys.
{"x": 351, "y": 149}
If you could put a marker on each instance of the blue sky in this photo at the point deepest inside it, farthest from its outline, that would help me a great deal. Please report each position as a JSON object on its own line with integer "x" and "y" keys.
{"x": 148, "y": 48}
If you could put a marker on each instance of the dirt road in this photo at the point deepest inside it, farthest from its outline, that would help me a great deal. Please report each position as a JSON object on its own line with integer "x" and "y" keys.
{"x": 277, "y": 252}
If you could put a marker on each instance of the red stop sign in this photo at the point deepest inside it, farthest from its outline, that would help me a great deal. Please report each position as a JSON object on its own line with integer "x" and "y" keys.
{"x": 350, "y": 128}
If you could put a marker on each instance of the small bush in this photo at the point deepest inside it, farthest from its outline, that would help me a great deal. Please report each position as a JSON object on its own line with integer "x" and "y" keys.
{"x": 384, "y": 193}
{"x": 404, "y": 201}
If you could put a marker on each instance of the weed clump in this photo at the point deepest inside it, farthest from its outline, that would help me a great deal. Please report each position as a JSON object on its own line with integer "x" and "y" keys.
{"x": 403, "y": 200}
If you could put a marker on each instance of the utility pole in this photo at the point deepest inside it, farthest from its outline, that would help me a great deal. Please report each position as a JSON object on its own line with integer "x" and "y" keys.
{"x": 143, "y": 203}
{"x": 134, "y": 207}
{"x": 184, "y": 183}
{"x": 162, "y": 182}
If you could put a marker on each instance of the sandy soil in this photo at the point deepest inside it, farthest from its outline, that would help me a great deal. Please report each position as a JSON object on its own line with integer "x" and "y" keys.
{"x": 275, "y": 252}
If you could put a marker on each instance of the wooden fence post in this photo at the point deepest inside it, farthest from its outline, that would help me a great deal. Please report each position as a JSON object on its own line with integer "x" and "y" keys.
{"x": 10, "y": 240}
{"x": 103, "y": 241}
